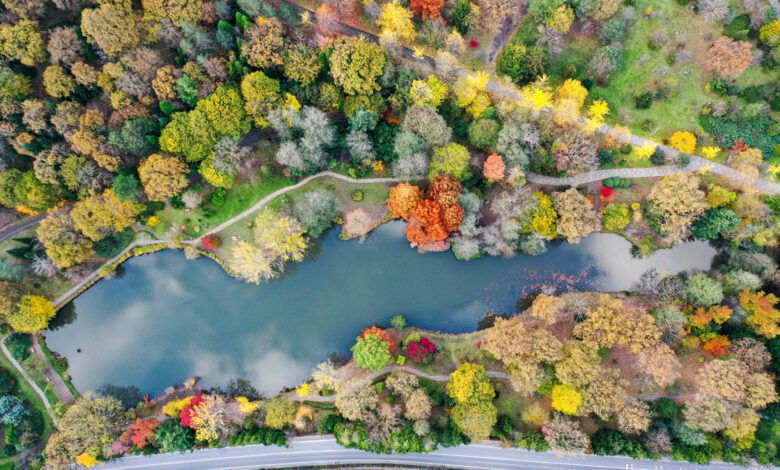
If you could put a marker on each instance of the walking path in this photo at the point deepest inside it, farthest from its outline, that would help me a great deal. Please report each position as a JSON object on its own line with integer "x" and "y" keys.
{"x": 27, "y": 377}
{"x": 19, "y": 226}
{"x": 60, "y": 388}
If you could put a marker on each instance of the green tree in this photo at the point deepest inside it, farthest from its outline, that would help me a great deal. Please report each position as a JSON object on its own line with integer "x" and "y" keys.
{"x": 173, "y": 437}
{"x": 279, "y": 413}
{"x": 262, "y": 96}
{"x": 9, "y": 179}
{"x": 34, "y": 194}
{"x": 371, "y": 352}
{"x": 127, "y": 187}
{"x": 616, "y": 217}
{"x": 714, "y": 222}
{"x": 703, "y": 291}
{"x": 451, "y": 160}
{"x": 356, "y": 64}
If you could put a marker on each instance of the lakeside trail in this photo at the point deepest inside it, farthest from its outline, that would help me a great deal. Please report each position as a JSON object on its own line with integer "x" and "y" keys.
{"x": 27, "y": 377}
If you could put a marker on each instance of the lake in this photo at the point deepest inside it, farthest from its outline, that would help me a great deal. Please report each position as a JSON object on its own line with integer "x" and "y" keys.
{"x": 167, "y": 318}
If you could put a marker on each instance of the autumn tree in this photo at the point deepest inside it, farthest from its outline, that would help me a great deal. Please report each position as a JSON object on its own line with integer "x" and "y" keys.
{"x": 473, "y": 393}
{"x": 302, "y": 64}
{"x": 279, "y": 413}
{"x": 661, "y": 364}
{"x": 579, "y": 366}
{"x": 402, "y": 199}
{"x": 100, "y": 216}
{"x": 58, "y": 82}
{"x": 512, "y": 341}
{"x": 676, "y": 202}
{"x": 32, "y": 315}
{"x": 605, "y": 395}
{"x": 281, "y": 237}
{"x": 577, "y": 219}
{"x": 564, "y": 434}
{"x": 452, "y": 160}
{"x": 762, "y": 314}
{"x": 372, "y": 351}
{"x": 262, "y": 96}
{"x": 395, "y": 20}
{"x": 90, "y": 425}
{"x": 177, "y": 11}
{"x": 162, "y": 176}
{"x": 356, "y": 64}
{"x": 566, "y": 399}
{"x": 729, "y": 58}
{"x": 612, "y": 324}
{"x": 494, "y": 169}
{"x": 64, "y": 244}
{"x": 113, "y": 26}
{"x": 316, "y": 210}
{"x": 265, "y": 44}
{"x": 22, "y": 41}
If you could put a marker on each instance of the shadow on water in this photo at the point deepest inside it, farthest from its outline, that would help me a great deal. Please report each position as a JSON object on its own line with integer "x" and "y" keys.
{"x": 168, "y": 318}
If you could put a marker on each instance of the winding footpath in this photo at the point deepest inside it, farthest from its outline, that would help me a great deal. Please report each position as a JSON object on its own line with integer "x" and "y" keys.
{"x": 27, "y": 377}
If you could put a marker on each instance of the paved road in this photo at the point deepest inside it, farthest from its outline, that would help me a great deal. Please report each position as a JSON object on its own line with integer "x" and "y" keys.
{"x": 320, "y": 451}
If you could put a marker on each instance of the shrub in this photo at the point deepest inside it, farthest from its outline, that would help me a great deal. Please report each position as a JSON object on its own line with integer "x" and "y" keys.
{"x": 357, "y": 195}
{"x": 616, "y": 217}
{"x": 703, "y": 291}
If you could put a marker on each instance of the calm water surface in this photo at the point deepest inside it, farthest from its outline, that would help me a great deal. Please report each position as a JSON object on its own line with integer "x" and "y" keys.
{"x": 168, "y": 318}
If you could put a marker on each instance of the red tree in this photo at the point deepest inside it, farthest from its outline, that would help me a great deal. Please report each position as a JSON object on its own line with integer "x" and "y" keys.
{"x": 444, "y": 189}
{"x": 142, "y": 430}
{"x": 385, "y": 335}
{"x": 427, "y": 8}
{"x": 188, "y": 412}
{"x": 211, "y": 242}
{"x": 419, "y": 351}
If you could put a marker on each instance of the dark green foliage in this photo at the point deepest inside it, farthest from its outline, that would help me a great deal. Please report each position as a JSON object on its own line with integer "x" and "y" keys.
{"x": 132, "y": 138}
{"x": 264, "y": 436}
{"x": 19, "y": 345}
{"x": 605, "y": 157}
{"x": 13, "y": 410}
{"x": 354, "y": 435}
{"x": 714, "y": 222}
{"x": 384, "y": 140}
{"x": 167, "y": 108}
{"x": 7, "y": 382}
{"x": 504, "y": 429}
{"x": 225, "y": 34}
{"x": 644, "y": 100}
{"x": 483, "y": 133}
{"x": 754, "y": 133}
{"x": 658, "y": 157}
{"x": 611, "y": 442}
{"x": 127, "y": 187}
{"x": 712, "y": 450}
{"x": 328, "y": 424}
{"x": 462, "y": 16}
{"x": 523, "y": 64}
{"x": 173, "y": 437}
{"x": 665, "y": 408}
{"x": 719, "y": 86}
{"x": 614, "y": 30}
{"x": 617, "y": 182}
{"x": 451, "y": 436}
{"x": 129, "y": 396}
{"x": 456, "y": 118}
{"x": 738, "y": 28}
{"x": 533, "y": 440}
{"x": 114, "y": 243}
{"x": 187, "y": 89}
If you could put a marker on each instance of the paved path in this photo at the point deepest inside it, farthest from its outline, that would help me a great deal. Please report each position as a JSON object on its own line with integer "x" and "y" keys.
{"x": 26, "y": 376}
{"x": 319, "y": 451}
{"x": 19, "y": 226}
{"x": 60, "y": 388}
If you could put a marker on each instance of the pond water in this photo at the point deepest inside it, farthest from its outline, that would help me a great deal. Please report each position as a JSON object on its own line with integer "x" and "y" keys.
{"x": 167, "y": 318}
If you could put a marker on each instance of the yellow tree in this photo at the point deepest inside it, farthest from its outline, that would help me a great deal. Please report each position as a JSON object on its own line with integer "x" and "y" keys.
{"x": 566, "y": 399}
{"x": 100, "y": 216}
{"x": 33, "y": 314}
{"x": 162, "y": 176}
{"x": 281, "y": 236}
{"x": 471, "y": 93}
{"x": 396, "y": 21}
{"x": 677, "y": 202}
{"x": 63, "y": 243}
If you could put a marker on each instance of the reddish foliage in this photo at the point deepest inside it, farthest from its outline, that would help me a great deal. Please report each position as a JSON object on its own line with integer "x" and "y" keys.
{"x": 740, "y": 145}
{"x": 426, "y": 224}
{"x": 444, "y": 189}
{"x": 453, "y": 217}
{"x": 211, "y": 242}
{"x": 473, "y": 43}
{"x": 607, "y": 192}
{"x": 390, "y": 117}
{"x": 386, "y": 336}
{"x": 494, "y": 168}
{"x": 717, "y": 346}
{"x": 700, "y": 319}
{"x": 142, "y": 430}
{"x": 427, "y": 8}
{"x": 419, "y": 351}
{"x": 189, "y": 410}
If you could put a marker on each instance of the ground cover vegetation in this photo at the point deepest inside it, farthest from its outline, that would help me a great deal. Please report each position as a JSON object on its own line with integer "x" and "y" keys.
{"x": 152, "y": 120}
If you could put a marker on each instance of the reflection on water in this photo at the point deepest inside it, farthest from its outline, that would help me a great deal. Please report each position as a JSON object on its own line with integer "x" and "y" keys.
{"x": 168, "y": 318}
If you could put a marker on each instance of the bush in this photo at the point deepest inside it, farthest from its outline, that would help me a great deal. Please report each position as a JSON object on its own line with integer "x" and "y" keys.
{"x": 703, "y": 291}
{"x": 357, "y": 195}
{"x": 755, "y": 133}
{"x": 644, "y": 100}
{"x": 19, "y": 345}
{"x": 616, "y": 217}
{"x": 611, "y": 442}
{"x": 328, "y": 424}
{"x": 533, "y": 440}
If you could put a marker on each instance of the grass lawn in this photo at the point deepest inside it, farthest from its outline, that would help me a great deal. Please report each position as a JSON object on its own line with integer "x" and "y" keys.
{"x": 30, "y": 396}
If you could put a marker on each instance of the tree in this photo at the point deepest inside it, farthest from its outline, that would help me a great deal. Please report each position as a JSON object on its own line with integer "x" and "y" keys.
{"x": 402, "y": 200}
{"x": 356, "y": 64}
{"x": 616, "y": 217}
{"x": 99, "y": 216}
{"x": 611, "y": 442}
{"x": 577, "y": 218}
{"x": 371, "y": 352}
{"x": 728, "y": 58}
{"x": 88, "y": 426}
{"x": 357, "y": 403}
{"x": 703, "y": 291}
{"x": 684, "y": 141}
{"x": 113, "y": 27}
{"x": 762, "y": 315}
{"x": 661, "y": 364}
{"x": 13, "y": 410}
{"x": 494, "y": 169}
{"x": 428, "y": 125}
{"x": 316, "y": 210}
{"x": 23, "y": 42}
{"x": 177, "y": 11}
{"x": 427, "y": 8}
{"x": 512, "y": 341}
{"x": 279, "y": 413}
{"x": 604, "y": 63}
{"x": 563, "y": 433}
{"x": 265, "y": 43}
{"x": 471, "y": 93}
{"x": 302, "y": 64}
{"x": 605, "y": 395}
{"x": 770, "y": 33}
{"x": 542, "y": 219}
{"x": 451, "y": 160}
{"x": 58, "y": 82}
{"x": 751, "y": 352}
{"x": 208, "y": 418}
{"x": 126, "y": 187}
{"x": 715, "y": 222}
{"x": 475, "y": 420}
{"x": 142, "y": 430}
{"x": 634, "y": 417}
{"x": 63, "y": 243}
{"x": 566, "y": 399}
{"x": 396, "y": 21}
{"x": 676, "y": 203}
{"x": 251, "y": 263}
{"x": 611, "y": 324}
{"x": 469, "y": 384}
{"x": 173, "y": 437}
{"x": 34, "y": 194}
{"x": 575, "y": 152}
{"x": 33, "y": 314}
{"x": 579, "y": 366}
{"x": 417, "y": 405}
{"x": 280, "y": 237}
{"x": 162, "y": 176}
{"x": 483, "y": 133}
